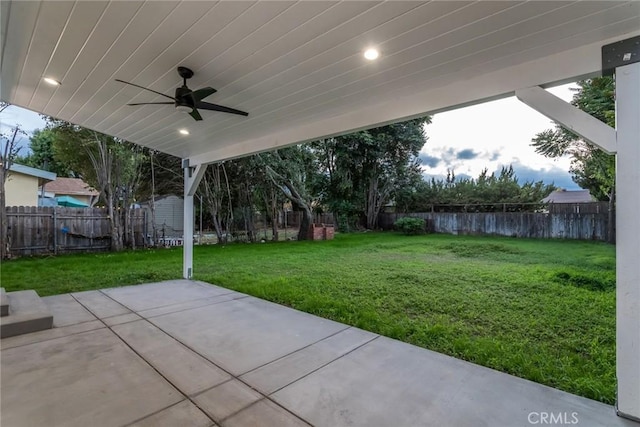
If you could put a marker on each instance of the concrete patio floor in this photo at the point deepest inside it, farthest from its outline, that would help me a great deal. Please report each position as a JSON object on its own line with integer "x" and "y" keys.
{"x": 185, "y": 353}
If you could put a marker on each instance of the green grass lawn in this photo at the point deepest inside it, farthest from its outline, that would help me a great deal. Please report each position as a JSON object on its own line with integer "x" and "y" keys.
{"x": 539, "y": 309}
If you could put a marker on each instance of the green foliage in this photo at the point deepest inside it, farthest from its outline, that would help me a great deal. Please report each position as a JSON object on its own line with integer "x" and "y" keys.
{"x": 492, "y": 301}
{"x": 43, "y": 155}
{"x": 486, "y": 193}
{"x": 295, "y": 170}
{"x": 167, "y": 176}
{"x": 365, "y": 170}
{"x": 410, "y": 226}
{"x": 77, "y": 148}
{"x": 110, "y": 165}
{"x": 592, "y": 168}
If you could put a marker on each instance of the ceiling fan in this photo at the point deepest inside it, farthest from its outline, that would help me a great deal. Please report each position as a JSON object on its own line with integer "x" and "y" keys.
{"x": 187, "y": 100}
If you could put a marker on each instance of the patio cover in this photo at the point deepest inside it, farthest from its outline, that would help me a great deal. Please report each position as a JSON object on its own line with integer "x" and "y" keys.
{"x": 298, "y": 69}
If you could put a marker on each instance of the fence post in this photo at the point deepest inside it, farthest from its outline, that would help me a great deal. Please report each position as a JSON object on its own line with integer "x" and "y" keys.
{"x": 55, "y": 232}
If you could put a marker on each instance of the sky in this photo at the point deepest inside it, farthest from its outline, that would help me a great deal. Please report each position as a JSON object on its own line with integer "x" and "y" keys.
{"x": 493, "y": 135}
{"x": 466, "y": 140}
{"x": 28, "y": 121}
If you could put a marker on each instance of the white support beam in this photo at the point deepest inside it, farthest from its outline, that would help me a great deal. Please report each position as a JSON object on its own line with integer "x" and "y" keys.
{"x": 195, "y": 177}
{"x": 192, "y": 178}
{"x": 628, "y": 240}
{"x": 582, "y": 124}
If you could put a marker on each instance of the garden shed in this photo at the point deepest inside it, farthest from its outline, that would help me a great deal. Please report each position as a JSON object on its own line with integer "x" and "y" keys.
{"x": 169, "y": 216}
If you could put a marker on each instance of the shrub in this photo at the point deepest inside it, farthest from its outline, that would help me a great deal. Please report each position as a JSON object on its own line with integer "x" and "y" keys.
{"x": 410, "y": 226}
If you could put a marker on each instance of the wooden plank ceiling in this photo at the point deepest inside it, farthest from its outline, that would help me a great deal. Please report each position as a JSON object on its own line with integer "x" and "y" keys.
{"x": 296, "y": 67}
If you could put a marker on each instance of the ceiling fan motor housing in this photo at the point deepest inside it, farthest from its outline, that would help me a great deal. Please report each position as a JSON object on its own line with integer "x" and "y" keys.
{"x": 184, "y": 97}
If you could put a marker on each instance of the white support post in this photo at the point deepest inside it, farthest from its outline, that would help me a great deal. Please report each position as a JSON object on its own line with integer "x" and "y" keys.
{"x": 628, "y": 240}
{"x": 625, "y": 141}
{"x": 187, "y": 254}
{"x": 192, "y": 177}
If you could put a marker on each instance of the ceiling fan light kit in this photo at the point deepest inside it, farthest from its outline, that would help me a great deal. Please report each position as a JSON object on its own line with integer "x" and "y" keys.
{"x": 187, "y": 100}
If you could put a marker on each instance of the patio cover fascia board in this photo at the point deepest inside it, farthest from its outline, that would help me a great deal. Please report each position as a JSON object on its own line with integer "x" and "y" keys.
{"x": 564, "y": 67}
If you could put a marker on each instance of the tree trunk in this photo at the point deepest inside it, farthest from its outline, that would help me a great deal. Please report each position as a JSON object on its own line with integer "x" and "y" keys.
{"x": 249, "y": 222}
{"x": 304, "y": 233}
{"x": 296, "y": 197}
{"x": 8, "y": 153}
{"x": 4, "y": 238}
{"x": 214, "y": 197}
{"x": 275, "y": 212}
{"x": 132, "y": 231}
{"x": 372, "y": 203}
{"x": 114, "y": 223}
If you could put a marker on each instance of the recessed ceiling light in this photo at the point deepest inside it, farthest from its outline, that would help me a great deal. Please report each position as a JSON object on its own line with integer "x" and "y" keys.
{"x": 184, "y": 132}
{"x": 371, "y": 54}
{"x": 52, "y": 82}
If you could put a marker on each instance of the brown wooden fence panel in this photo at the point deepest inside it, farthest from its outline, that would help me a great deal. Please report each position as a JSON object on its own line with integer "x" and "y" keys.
{"x": 43, "y": 230}
{"x": 293, "y": 218}
{"x": 581, "y": 226}
{"x": 576, "y": 208}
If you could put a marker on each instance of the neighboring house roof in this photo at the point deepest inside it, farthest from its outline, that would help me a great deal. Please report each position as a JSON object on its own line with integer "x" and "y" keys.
{"x": 564, "y": 196}
{"x": 70, "y": 186}
{"x": 27, "y": 170}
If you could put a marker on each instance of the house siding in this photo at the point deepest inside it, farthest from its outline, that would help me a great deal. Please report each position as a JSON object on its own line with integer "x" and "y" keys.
{"x": 21, "y": 190}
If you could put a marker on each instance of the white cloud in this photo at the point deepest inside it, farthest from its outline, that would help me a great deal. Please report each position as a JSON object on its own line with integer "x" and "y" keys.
{"x": 490, "y": 135}
{"x": 28, "y": 121}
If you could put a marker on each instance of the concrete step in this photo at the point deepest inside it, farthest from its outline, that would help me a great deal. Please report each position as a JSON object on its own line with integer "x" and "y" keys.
{"x": 27, "y": 313}
{"x": 4, "y": 303}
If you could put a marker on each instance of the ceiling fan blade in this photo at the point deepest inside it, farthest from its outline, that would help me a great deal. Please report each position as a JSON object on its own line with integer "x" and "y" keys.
{"x": 196, "y": 115}
{"x": 201, "y": 94}
{"x": 153, "y": 103}
{"x": 222, "y": 108}
{"x": 142, "y": 87}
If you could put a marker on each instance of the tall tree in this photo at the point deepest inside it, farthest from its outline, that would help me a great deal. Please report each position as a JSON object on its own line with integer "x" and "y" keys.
{"x": 365, "y": 168}
{"x": 162, "y": 175}
{"x": 111, "y": 165}
{"x": 42, "y": 155}
{"x": 216, "y": 191}
{"x": 592, "y": 168}
{"x": 8, "y": 152}
{"x": 485, "y": 193}
{"x": 294, "y": 170}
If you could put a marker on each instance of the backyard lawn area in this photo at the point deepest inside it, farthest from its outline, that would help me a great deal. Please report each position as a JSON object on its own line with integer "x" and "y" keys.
{"x": 539, "y": 309}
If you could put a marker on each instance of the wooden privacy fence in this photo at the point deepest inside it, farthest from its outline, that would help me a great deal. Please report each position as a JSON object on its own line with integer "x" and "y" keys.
{"x": 293, "y": 218}
{"x": 582, "y": 226}
{"x": 43, "y": 230}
